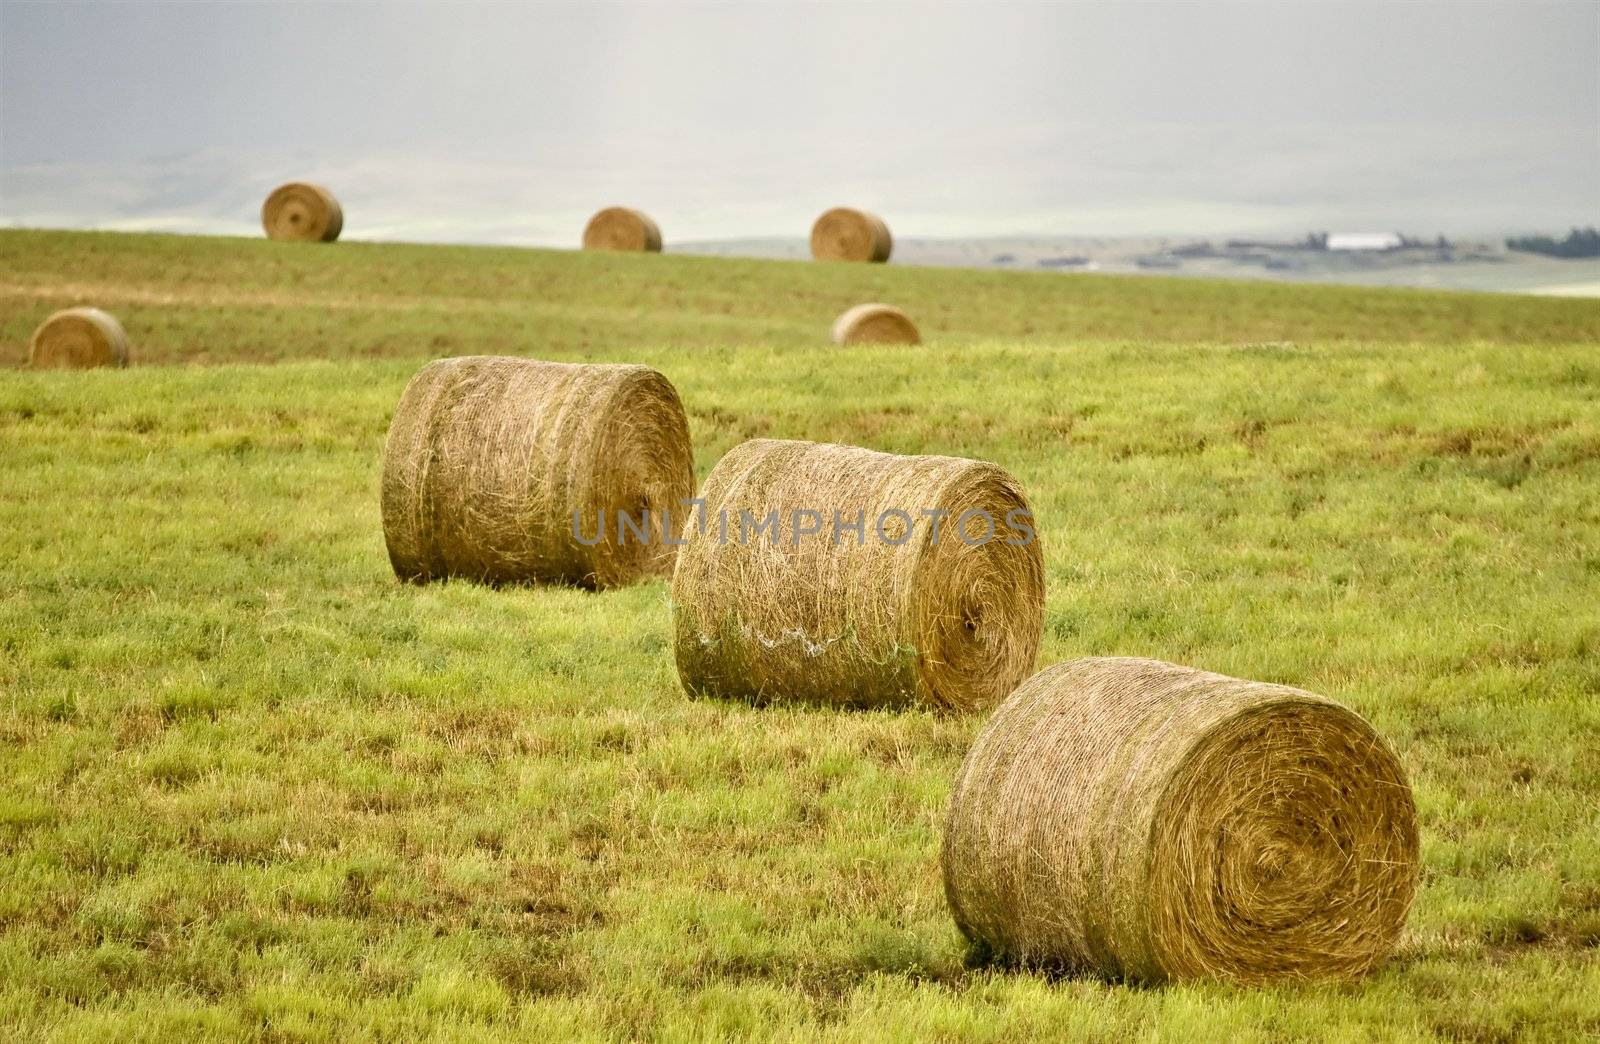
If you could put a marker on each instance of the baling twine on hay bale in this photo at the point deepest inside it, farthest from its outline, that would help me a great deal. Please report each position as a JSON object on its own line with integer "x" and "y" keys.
{"x": 844, "y": 234}
{"x": 892, "y": 618}
{"x": 1150, "y": 821}
{"x": 489, "y": 458}
{"x": 622, "y": 228}
{"x": 875, "y": 324}
{"x": 77, "y": 339}
{"x": 300, "y": 212}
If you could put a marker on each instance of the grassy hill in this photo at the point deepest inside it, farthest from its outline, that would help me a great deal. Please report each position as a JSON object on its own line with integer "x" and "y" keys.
{"x": 208, "y": 300}
{"x": 251, "y": 786}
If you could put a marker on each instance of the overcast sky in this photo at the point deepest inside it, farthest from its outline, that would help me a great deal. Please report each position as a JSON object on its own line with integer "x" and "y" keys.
{"x": 511, "y": 123}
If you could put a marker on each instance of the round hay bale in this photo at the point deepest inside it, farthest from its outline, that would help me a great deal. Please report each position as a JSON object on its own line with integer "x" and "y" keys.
{"x": 622, "y": 228}
{"x": 904, "y": 609}
{"x": 78, "y": 339}
{"x": 1148, "y": 821}
{"x": 300, "y": 212}
{"x": 875, "y": 324}
{"x": 843, "y": 234}
{"x": 510, "y": 470}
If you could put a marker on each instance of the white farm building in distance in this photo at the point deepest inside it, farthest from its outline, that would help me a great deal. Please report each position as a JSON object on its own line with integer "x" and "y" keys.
{"x": 1365, "y": 241}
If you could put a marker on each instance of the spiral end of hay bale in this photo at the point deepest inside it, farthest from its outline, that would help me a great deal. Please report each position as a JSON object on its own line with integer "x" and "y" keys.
{"x": 875, "y": 324}
{"x": 1149, "y": 821}
{"x": 78, "y": 339}
{"x": 300, "y": 212}
{"x": 809, "y": 611}
{"x": 622, "y": 228}
{"x": 844, "y": 234}
{"x": 515, "y": 471}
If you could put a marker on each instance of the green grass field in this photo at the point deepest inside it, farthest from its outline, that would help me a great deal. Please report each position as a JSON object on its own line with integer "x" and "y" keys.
{"x": 253, "y": 787}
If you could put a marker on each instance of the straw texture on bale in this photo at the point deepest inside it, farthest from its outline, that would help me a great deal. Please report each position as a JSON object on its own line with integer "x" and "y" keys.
{"x": 843, "y": 234}
{"x": 488, "y": 459}
{"x": 875, "y": 324}
{"x": 622, "y": 228}
{"x": 833, "y": 619}
{"x": 1148, "y": 821}
{"x": 78, "y": 339}
{"x": 300, "y": 212}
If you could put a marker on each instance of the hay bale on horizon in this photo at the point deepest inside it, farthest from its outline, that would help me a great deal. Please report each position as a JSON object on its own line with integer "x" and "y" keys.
{"x": 1149, "y": 821}
{"x": 846, "y": 234}
{"x": 78, "y": 339}
{"x": 300, "y": 212}
{"x": 510, "y": 471}
{"x": 875, "y": 324}
{"x": 622, "y": 228}
{"x": 897, "y": 615}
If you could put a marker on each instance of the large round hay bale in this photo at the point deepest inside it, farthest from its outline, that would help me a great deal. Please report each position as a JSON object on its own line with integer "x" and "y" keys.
{"x": 875, "y": 324}
{"x": 907, "y": 608}
{"x": 622, "y": 228}
{"x": 843, "y": 234}
{"x": 510, "y": 470}
{"x": 300, "y": 212}
{"x": 77, "y": 339}
{"x": 1149, "y": 821}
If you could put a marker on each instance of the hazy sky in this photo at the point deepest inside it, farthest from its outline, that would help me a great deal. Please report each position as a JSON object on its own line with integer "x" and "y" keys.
{"x": 511, "y": 123}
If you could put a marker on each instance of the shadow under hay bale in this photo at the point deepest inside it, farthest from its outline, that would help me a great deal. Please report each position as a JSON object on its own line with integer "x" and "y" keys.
{"x": 510, "y": 470}
{"x": 843, "y": 234}
{"x": 622, "y": 228}
{"x": 875, "y": 324}
{"x": 300, "y": 212}
{"x": 904, "y": 610}
{"x": 78, "y": 339}
{"x": 1148, "y": 821}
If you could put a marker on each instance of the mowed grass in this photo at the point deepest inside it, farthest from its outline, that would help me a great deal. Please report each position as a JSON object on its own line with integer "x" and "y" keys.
{"x": 208, "y": 300}
{"x": 253, "y": 787}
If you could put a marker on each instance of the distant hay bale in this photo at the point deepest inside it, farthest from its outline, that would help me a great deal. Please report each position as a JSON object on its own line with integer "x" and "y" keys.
{"x": 875, "y": 324}
{"x": 843, "y": 234}
{"x": 881, "y": 616}
{"x": 1148, "y": 821}
{"x": 77, "y": 339}
{"x": 510, "y": 470}
{"x": 300, "y": 212}
{"x": 622, "y": 228}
